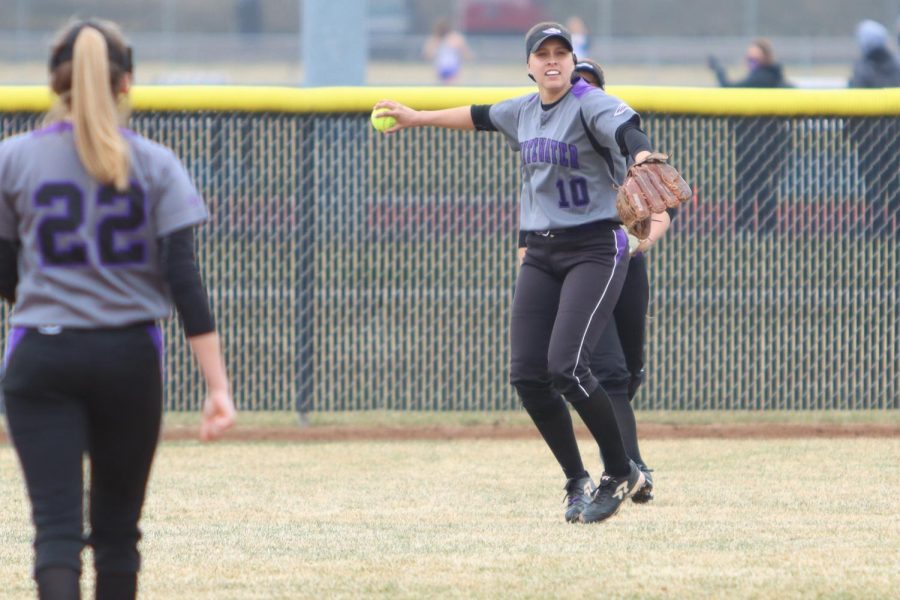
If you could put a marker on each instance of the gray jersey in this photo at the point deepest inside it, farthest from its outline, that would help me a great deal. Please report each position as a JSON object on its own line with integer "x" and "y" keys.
{"x": 89, "y": 254}
{"x": 565, "y": 181}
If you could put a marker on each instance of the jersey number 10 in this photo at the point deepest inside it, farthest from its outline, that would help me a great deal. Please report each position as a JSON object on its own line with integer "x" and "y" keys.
{"x": 129, "y": 218}
{"x": 578, "y": 191}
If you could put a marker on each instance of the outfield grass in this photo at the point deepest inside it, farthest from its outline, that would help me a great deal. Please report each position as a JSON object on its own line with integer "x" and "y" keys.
{"x": 483, "y": 519}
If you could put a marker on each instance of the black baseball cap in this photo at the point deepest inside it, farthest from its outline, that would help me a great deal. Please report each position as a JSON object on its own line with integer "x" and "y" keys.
{"x": 542, "y": 32}
{"x": 589, "y": 66}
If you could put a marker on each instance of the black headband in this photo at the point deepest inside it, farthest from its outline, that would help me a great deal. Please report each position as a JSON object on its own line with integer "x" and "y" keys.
{"x": 116, "y": 57}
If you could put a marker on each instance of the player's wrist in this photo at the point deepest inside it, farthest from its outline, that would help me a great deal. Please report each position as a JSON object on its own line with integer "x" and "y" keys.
{"x": 421, "y": 118}
{"x": 218, "y": 387}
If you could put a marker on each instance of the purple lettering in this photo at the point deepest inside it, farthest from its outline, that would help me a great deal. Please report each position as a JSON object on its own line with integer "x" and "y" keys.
{"x": 573, "y": 156}
{"x": 563, "y": 160}
{"x": 554, "y": 152}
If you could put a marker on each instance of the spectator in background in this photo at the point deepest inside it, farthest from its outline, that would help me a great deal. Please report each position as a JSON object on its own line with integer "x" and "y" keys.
{"x": 876, "y": 140}
{"x": 580, "y": 39}
{"x": 760, "y": 147}
{"x": 764, "y": 72}
{"x": 877, "y": 66}
{"x": 447, "y": 49}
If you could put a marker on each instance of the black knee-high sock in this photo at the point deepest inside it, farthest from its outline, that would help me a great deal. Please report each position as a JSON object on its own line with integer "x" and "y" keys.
{"x": 116, "y": 586}
{"x": 58, "y": 583}
{"x": 553, "y": 420}
{"x": 597, "y": 413}
{"x": 627, "y": 425}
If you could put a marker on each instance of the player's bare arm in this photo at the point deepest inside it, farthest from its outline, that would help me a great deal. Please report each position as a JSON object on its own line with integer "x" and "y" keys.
{"x": 459, "y": 117}
{"x": 218, "y": 409}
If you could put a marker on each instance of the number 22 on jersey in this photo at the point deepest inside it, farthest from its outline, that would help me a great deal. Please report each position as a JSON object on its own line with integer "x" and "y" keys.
{"x": 127, "y": 216}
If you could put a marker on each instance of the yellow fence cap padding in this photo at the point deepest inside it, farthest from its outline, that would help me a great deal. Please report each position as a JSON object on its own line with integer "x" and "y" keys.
{"x": 32, "y": 98}
{"x": 671, "y": 100}
{"x": 756, "y": 101}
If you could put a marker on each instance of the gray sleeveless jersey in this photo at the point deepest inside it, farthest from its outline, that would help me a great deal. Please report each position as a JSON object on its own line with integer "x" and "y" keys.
{"x": 89, "y": 254}
{"x": 565, "y": 181}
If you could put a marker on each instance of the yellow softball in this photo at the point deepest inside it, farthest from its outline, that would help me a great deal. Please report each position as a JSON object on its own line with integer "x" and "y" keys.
{"x": 382, "y": 123}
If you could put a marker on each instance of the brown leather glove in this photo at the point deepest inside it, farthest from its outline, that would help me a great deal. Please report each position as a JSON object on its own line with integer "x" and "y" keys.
{"x": 651, "y": 186}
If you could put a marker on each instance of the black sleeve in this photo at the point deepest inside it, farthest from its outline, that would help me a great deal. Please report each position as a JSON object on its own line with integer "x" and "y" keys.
{"x": 9, "y": 269}
{"x": 179, "y": 268}
{"x": 481, "y": 116}
{"x": 631, "y": 138}
{"x": 522, "y": 236}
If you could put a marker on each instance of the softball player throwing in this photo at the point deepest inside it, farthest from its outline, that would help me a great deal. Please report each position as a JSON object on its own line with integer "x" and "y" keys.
{"x": 573, "y": 140}
{"x": 96, "y": 244}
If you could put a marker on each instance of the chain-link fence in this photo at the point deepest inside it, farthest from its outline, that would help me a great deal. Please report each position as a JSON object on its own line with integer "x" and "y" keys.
{"x": 349, "y": 270}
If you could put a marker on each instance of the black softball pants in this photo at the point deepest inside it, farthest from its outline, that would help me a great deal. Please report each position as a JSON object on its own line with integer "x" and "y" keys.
{"x": 565, "y": 293}
{"x": 93, "y": 392}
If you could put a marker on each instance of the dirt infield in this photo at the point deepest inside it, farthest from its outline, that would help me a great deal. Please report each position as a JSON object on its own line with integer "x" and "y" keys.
{"x": 516, "y": 432}
{"x": 657, "y": 431}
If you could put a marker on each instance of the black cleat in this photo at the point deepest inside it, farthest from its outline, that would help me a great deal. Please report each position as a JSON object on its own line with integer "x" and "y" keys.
{"x": 578, "y": 495}
{"x": 645, "y": 494}
{"x": 610, "y": 495}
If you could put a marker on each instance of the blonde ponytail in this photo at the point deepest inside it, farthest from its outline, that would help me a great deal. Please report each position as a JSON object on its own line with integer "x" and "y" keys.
{"x": 95, "y": 118}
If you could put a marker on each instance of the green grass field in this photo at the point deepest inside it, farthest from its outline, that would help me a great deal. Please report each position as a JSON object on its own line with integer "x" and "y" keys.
{"x": 804, "y": 518}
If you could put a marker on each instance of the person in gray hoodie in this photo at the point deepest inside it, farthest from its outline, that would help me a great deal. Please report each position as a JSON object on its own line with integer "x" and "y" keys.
{"x": 877, "y": 139}
{"x": 877, "y": 66}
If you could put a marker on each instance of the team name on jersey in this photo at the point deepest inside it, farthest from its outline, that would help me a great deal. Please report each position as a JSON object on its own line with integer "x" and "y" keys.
{"x": 546, "y": 150}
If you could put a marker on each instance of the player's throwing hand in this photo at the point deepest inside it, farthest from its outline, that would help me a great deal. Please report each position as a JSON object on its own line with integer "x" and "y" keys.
{"x": 403, "y": 115}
